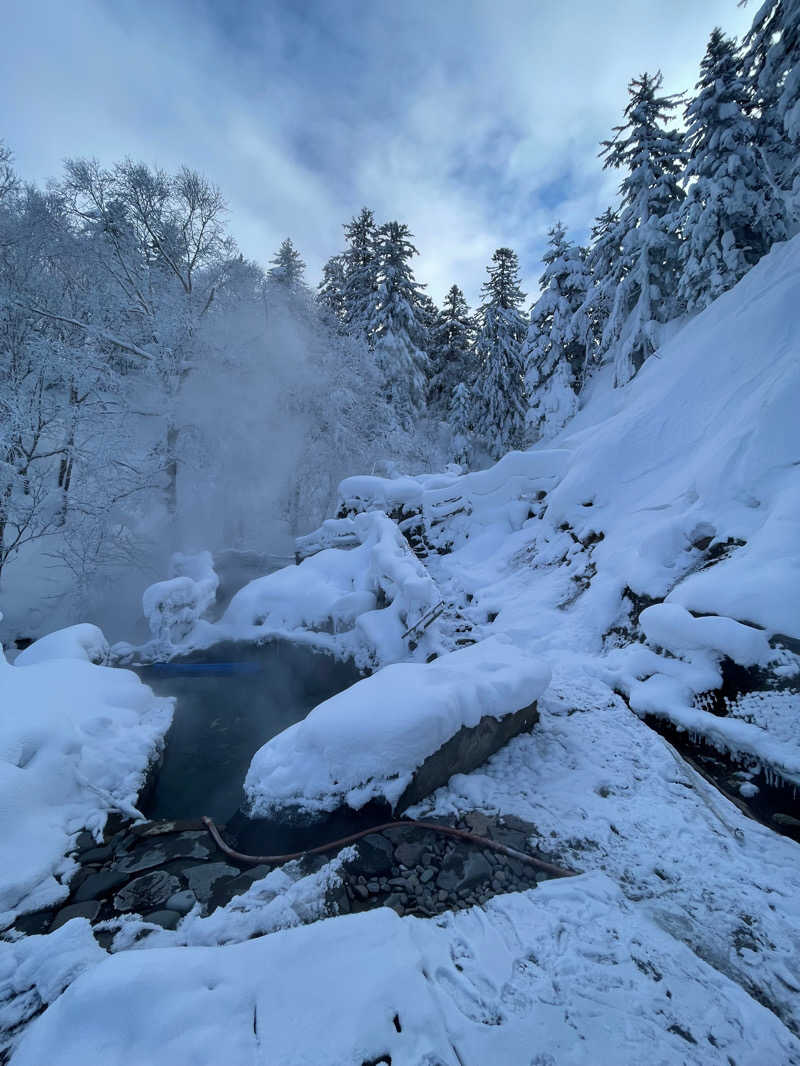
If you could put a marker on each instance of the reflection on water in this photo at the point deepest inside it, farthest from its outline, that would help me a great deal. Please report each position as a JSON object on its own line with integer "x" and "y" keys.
{"x": 231, "y": 699}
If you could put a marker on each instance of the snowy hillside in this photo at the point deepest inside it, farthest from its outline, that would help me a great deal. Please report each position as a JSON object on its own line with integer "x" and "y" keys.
{"x": 653, "y": 542}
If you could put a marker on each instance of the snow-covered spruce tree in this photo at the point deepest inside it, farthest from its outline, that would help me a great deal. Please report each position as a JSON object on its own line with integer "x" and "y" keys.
{"x": 652, "y": 156}
{"x": 460, "y": 422}
{"x": 772, "y": 66}
{"x": 360, "y": 273}
{"x": 285, "y": 276}
{"x": 395, "y": 329}
{"x": 451, "y": 340}
{"x": 604, "y": 263}
{"x": 498, "y": 394}
{"x": 331, "y": 290}
{"x": 555, "y": 347}
{"x": 731, "y": 215}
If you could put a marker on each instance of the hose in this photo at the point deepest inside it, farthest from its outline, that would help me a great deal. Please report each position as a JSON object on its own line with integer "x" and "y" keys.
{"x": 407, "y": 823}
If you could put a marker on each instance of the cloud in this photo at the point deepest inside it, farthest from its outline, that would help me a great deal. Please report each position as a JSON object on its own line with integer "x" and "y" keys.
{"x": 476, "y": 122}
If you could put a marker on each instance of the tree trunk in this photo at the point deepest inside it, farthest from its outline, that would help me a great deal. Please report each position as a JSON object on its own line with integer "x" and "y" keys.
{"x": 171, "y": 493}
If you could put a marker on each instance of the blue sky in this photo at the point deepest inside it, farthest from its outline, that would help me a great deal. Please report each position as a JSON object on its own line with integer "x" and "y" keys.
{"x": 477, "y": 122}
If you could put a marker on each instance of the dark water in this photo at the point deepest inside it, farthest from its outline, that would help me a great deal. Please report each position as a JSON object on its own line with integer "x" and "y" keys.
{"x": 231, "y": 699}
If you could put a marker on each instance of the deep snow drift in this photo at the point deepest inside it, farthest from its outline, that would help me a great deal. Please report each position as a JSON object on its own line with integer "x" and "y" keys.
{"x": 680, "y": 941}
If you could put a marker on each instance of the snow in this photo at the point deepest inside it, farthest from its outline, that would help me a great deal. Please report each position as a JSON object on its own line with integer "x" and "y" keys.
{"x": 331, "y": 600}
{"x": 571, "y": 973}
{"x": 366, "y": 742}
{"x": 173, "y": 607}
{"x": 75, "y": 740}
{"x": 675, "y": 629}
{"x": 83, "y": 641}
{"x": 680, "y": 940}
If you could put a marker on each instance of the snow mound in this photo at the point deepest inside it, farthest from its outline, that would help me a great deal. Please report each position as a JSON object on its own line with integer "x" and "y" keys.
{"x": 173, "y": 607}
{"x": 571, "y": 974}
{"x": 366, "y": 742}
{"x": 83, "y": 641}
{"x": 673, "y": 628}
{"x": 75, "y": 741}
{"x": 338, "y": 591}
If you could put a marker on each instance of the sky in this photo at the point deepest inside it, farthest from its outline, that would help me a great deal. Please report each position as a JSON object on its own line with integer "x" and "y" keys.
{"x": 476, "y": 122}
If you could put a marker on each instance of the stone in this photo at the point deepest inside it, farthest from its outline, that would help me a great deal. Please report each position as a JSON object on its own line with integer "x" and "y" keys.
{"x": 409, "y": 854}
{"x": 786, "y": 820}
{"x": 35, "y": 922}
{"x": 85, "y": 840}
{"x": 87, "y": 909}
{"x": 395, "y": 901}
{"x": 427, "y": 875}
{"x": 448, "y": 880}
{"x": 96, "y": 854}
{"x": 361, "y": 891}
{"x": 476, "y": 869}
{"x": 465, "y": 751}
{"x": 182, "y": 902}
{"x": 167, "y": 919}
{"x": 98, "y": 885}
{"x": 162, "y": 850}
{"x": 147, "y": 892}
{"x": 374, "y": 858}
{"x": 203, "y": 878}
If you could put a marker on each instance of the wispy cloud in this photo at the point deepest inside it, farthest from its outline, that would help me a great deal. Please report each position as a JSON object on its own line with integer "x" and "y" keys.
{"x": 476, "y": 121}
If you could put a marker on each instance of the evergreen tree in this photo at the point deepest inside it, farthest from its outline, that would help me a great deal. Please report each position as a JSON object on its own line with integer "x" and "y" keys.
{"x": 772, "y": 65}
{"x": 287, "y": 271}
{"x": 555, "y": 347}
{"x": 499, "y": 391}
{"x": 397, "y": 333}
{"x": 331, "y": 290}
{"x": 460, "y": 421}
{"x": 652, "y": 155}
{"x": 427, "y": 313}
{"x": 451, "y": 339}
{"x": 731, "y": 216}
{"x": 604, "y": 262}
{"x": 360, "y": 273}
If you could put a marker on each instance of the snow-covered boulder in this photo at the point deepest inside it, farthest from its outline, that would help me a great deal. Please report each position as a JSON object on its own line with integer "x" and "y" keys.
{"x": 173, "y": 607}
{"x": 75, "y": 742}
{"x": 399, "y": 734}
{"x": 370, "y": 596}
{"x": 83, "y": 641}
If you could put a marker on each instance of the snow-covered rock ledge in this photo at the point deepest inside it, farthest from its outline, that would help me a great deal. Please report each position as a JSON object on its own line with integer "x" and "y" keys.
{"x": 399, "y": 734}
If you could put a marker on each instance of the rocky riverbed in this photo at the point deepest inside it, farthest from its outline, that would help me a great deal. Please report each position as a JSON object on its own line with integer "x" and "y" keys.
{"x": 163, "y": 870}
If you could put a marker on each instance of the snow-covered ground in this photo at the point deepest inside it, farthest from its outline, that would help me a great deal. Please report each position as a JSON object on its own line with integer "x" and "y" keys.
{"x": 679, "y": 942}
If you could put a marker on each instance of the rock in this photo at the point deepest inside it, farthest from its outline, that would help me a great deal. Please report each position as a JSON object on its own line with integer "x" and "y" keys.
{"x": 448, "y": 880}
{"x": 427, "y": 875}
{"x": 396, "y": 901}
{"x": 142, "y": 860}
{"x": 468, "y": 749}
{"x": 165, "y": 849}
{"x": 35, "y": 922}
{"x": 88, "y": 909}
{"x": 96, "y": 854}
{"x": 476, "y": 869}
{"x": 361, "y": 891}
{"x": 373, "y": 857}
{"x": 147, "y": 892}
{"x": 786, "y": 820}
{"x": 182, "y": 902}
{"x": 98, "y": 885}
{"x": 442, "y": 895}
{"x": 203, "y": 878}
{"x": 167, "y": 919}
{"x": 479, "y": 823}
{"x": 84, "y": 841}
{"x": 157, "y": 829}
{"x": 409, "y": 854}
{"x": 373, "y": 887}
